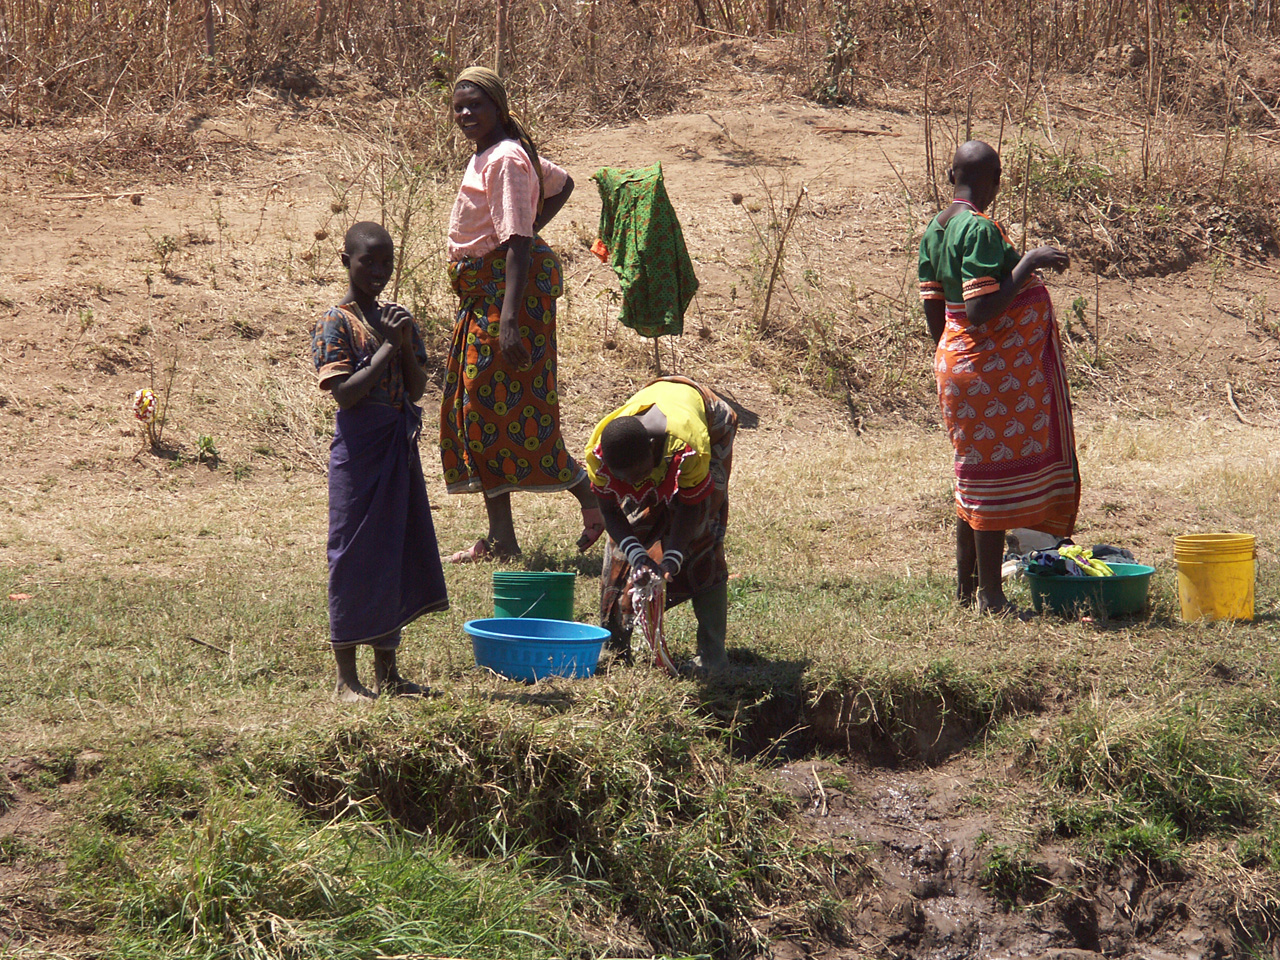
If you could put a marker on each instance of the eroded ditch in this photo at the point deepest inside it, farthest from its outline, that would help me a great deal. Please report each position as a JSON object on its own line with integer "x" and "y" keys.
{"x": 905, "y": 790}
{"x": 904, "y": 787}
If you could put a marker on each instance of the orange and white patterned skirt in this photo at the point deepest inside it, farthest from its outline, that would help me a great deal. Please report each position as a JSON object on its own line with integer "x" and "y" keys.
{"x": 1006, "y": 407}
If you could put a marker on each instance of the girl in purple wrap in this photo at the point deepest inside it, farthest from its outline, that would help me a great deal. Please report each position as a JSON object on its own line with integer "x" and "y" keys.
{"x": 384, "y": 564}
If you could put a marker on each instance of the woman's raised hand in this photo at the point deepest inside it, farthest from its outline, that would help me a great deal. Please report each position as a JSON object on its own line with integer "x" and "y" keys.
{"x": 1048, "y": 257}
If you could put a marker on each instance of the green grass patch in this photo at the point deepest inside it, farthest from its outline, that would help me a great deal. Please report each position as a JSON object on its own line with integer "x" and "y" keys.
{"x": 253, "y": 877}
{"x": 102, "y": 642}
{"x": 16, "y": 850}
{"x": 621, "y": 788}
{"x": 157, "y": 785}
{"x": 1009, "y": 875}
{"x": 1140, "y": 784}
{"x": 622, "y": 802}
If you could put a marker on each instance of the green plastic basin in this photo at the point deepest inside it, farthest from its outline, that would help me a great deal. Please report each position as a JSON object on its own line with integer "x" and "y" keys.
{"x": 1124, "y": 593}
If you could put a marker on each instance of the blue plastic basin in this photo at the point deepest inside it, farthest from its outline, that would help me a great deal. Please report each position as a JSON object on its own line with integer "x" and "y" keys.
{"x": 529, "y": 649}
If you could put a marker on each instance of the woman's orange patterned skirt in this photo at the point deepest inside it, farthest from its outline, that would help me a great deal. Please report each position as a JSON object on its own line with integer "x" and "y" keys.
{"x": 1005, "y": 404}
{"x": 500, "y": 428}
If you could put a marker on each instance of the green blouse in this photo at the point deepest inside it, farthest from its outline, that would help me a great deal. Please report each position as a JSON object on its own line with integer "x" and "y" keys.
{"x": 965, "y": 258}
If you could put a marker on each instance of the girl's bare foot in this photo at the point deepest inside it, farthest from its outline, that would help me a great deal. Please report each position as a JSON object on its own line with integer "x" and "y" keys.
{"x": 387, "y": 676}
{"x": 349, "y": 689}
{"x": 356, "y": 694}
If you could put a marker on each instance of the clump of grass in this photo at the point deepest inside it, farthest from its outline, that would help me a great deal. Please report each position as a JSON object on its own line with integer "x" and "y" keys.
{"x": 1261, "y": 849}
{"x": 1138, "y": 784}
{"x": 1147, "y": 841}
{"x": 917, "y": 712}
{"x": 16, "y": 850}
{"x": 253, "y": 878}
{"x": 624, "y": 790}
{"x": 1254, "y": 712}
{"x": 152, "y": 789}
{"x": 1010, "y": 876}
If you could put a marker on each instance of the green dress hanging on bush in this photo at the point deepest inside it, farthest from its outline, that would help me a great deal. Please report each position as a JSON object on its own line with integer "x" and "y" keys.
{"x": 641, "y": 239}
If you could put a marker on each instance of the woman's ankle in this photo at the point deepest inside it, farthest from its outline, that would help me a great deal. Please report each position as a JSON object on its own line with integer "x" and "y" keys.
{"x": 991, "y": 601}
{"x": 503, "y": 549}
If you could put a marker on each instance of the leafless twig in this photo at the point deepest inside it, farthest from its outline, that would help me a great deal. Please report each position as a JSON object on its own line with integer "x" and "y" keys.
{"x": 779, "y": 251}
{"x": 209, "y": 645}
{"x": 1231, "y": 399}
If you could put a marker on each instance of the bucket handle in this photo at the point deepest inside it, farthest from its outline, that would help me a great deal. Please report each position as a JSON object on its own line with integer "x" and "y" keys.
{"x": 532, "y": 605}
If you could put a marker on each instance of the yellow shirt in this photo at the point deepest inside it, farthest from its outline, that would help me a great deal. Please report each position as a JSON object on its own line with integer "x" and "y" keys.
{"x": 686, "y": 463}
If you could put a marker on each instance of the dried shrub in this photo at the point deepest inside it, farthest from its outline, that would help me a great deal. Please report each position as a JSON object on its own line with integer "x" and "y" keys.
{"x": 1193, "y": 200}
{"x": 141, "y": 144}
{"x": 1190, "y": 59}
{"x": 59, "y": 58}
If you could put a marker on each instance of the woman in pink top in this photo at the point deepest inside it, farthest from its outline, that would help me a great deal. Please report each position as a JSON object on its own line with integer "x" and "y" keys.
{"x": 500, "y": 415}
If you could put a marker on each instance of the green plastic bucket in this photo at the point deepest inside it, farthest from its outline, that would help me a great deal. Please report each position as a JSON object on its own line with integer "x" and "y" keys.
{"x": 545, "y": 595}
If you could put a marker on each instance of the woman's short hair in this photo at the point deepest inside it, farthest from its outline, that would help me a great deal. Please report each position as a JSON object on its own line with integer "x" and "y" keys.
{"x": 623, "y": 442}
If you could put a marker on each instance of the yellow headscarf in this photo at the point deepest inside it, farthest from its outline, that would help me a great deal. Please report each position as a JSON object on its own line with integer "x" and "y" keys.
{"x": 491, "y": 86}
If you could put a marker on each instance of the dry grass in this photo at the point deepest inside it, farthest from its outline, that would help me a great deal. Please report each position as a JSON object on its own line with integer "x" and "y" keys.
{"x": 616, "y": 59}
{"x": 995, "y": 52}
{"x": 614, "y": 56}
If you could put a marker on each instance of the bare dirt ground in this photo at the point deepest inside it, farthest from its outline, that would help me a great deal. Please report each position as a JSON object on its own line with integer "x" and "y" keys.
{"x": 116, "y": 254}
{"x": 929, "y": 899}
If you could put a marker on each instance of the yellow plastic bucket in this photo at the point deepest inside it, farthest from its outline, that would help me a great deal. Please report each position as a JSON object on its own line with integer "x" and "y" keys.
{"x": 1215, "y": 575}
